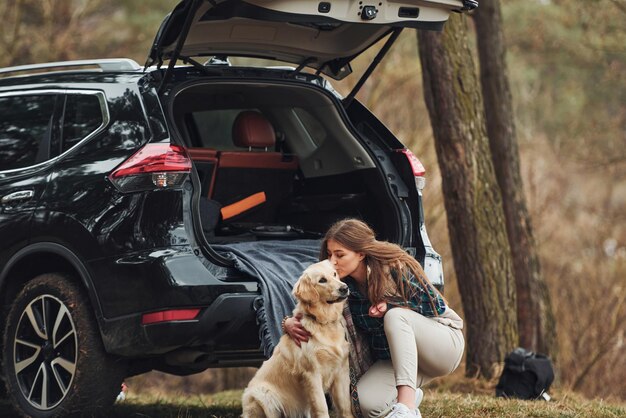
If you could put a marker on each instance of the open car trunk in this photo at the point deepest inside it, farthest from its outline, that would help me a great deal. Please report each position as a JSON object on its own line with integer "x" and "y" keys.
{"x": 278, "y": 160}
{"x": 295, "y": 164}
{"x": 313, "y": 171}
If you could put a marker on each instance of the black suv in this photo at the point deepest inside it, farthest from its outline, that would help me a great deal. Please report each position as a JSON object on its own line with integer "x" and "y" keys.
{"x": 121, "y": 185}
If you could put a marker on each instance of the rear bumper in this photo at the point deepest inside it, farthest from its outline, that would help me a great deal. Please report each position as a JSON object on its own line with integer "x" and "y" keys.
{"x": 132, "y": 285}
{"x": 158, "y": 279}
{"x": 219, "y": 331}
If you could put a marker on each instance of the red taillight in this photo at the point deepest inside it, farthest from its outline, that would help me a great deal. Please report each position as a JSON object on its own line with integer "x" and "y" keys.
{"x": 169, "y": 316}
{"x": 417, "y": 167}
{"x": 154, "y": 158}
{"x": 155, "y": 166}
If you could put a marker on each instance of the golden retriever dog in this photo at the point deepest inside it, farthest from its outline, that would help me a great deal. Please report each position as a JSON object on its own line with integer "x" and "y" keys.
{"x": 292, "y": 383}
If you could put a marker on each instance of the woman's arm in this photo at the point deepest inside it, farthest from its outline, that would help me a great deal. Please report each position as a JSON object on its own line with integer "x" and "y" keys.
{"x": 294, "y": 329}
{"x": 425, "y": 300}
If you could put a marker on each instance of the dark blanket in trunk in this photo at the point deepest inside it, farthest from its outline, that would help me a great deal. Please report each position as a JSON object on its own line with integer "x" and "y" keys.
{"x": 277, "y": 265}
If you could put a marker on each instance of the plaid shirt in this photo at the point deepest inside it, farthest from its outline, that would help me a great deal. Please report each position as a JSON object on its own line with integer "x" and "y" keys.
{"x": 418, "y": 301}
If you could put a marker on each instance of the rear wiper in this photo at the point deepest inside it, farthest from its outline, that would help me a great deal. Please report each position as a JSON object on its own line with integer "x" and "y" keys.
{"x": 196, "y": 64}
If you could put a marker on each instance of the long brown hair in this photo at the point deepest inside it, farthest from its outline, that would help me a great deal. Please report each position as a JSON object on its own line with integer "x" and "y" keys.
{"x": 380, "y": 257}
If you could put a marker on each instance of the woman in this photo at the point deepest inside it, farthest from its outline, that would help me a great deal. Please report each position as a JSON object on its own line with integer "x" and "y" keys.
{"x": 412, "y": 335}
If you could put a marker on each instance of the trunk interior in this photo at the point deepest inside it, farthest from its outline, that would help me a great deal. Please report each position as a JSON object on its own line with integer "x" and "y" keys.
{"x": 277, "y": 160}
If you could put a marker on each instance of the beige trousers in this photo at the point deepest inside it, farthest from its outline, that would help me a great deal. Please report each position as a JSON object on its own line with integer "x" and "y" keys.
{"x": 421, "y": 349}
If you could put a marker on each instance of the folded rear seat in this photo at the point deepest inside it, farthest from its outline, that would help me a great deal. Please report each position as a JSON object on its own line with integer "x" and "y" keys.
{"x": 250, "y": 185}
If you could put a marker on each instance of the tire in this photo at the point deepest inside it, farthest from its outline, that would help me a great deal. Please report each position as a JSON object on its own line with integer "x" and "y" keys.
{"x": 54, "y": 361}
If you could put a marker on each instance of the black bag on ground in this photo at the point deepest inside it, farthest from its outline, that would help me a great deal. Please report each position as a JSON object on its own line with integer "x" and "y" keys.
{"x": 526, "y": 375}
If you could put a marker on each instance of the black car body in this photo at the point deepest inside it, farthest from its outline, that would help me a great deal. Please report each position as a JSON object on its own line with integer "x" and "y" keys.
{"x": 114, "y": 180}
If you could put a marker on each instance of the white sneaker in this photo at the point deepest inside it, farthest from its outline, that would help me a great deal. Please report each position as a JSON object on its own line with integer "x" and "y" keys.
{"x": 400, "y": 410}
{"x": 419, "y": 395}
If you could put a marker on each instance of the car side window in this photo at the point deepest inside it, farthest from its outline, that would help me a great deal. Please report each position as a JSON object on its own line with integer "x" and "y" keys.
{"x": 25, "y": 129}
{"x": 215, "y": 128}
{"x": 82, "y": 116}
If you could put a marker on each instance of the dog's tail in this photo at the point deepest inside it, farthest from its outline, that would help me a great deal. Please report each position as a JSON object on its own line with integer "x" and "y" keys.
{"x": 261, "y": 402}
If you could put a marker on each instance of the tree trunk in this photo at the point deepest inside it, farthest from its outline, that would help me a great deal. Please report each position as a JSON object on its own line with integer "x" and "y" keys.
{"x": 472, "y": 199}
{"x": 535, "y": 319}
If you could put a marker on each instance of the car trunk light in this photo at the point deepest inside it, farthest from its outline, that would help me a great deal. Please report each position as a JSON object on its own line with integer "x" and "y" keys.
{"x": 417, "y": 167}
{"x": 155, "y": 166}
{"x": 169, "y": 316}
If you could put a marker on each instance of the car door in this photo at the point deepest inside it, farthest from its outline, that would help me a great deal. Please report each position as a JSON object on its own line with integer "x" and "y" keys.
{"x": 324, "y": 36}
{"x": 28, "y": 124}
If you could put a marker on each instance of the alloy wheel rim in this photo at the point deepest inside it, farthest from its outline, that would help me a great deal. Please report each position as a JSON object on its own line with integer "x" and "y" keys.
{"x": 45, "y": 352}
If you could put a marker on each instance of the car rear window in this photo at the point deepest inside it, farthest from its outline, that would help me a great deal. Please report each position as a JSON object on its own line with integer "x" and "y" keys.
{"x": 215, "y": 128}
{"x": 82, "y": 116}
{"x": 25, "y": 129}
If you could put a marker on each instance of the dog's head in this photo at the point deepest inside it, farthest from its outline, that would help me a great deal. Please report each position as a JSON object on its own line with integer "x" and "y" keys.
{"x": 319, "y": 284}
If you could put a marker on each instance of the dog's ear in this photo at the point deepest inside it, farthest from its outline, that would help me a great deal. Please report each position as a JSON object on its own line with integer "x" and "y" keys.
{"x": 305, "y": 291}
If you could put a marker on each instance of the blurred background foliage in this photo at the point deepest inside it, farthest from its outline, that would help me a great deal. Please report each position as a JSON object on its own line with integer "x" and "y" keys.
{"x": 566, "y": 62}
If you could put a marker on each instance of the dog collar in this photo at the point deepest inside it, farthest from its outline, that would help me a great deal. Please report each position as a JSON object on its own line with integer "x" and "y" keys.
{"x": 314, "y": 319}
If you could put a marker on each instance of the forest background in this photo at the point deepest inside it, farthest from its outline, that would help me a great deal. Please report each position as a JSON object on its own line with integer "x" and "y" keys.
{"x": 567, "y": 66}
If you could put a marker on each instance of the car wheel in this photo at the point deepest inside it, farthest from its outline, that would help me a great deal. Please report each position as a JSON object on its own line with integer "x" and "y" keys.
{"x": 54, "y": 360}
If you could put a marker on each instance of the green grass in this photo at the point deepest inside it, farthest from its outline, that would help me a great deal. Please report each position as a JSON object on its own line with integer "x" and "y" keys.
{"x": 437, "y": 403}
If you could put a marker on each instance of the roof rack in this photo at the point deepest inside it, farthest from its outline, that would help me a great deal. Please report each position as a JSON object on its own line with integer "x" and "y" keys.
{"x": 109, "y": 64}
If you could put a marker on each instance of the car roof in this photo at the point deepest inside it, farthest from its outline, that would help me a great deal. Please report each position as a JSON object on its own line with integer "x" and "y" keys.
{"x": 119, "y": 70}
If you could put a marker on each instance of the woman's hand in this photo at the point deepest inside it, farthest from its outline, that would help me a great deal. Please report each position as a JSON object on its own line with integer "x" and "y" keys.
{"x": 378, "y": 310}
{"x": 295, "y": 330}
